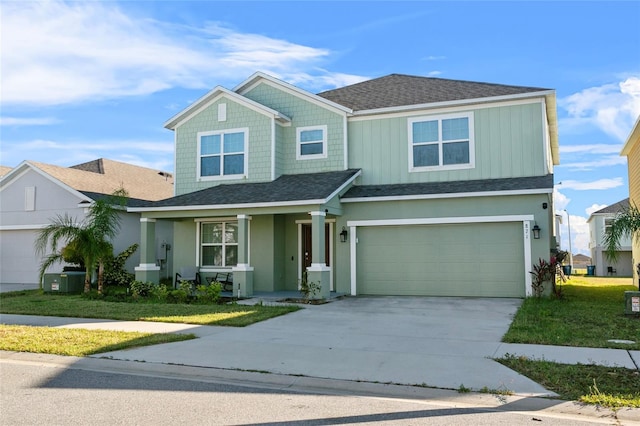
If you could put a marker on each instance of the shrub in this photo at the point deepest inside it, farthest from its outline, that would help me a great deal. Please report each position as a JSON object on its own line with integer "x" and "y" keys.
{"x": 177, "y": 296}
{"x": 159, "y": 292}
{"x": 209, "y": 293}
{"x": 114, "y": 272}
{"x": 141, "y": 289}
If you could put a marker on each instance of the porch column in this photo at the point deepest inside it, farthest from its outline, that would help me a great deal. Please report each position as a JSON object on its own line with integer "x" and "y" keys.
{"x": 319, "y": 272}
{"x": 243, "y": 272}
{"x": 147, "y": 270}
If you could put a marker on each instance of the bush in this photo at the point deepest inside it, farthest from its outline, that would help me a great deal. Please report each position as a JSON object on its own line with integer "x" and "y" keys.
{"x": 114, "y": 272}
{"x": 141, "y": 289}
{"x": 177, "y": 296}
{"x": 209, "y": 293}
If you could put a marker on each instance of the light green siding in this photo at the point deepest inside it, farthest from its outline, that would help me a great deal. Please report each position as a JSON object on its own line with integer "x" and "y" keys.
{"x": 303, "y": 113}
{"x": 509, "y": 142}
{"x": 238, "y": 116}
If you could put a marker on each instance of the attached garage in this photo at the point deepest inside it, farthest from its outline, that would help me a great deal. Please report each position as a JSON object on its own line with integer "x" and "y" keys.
{"x": 18, "y": 262}
{"x": 484, "y": 259}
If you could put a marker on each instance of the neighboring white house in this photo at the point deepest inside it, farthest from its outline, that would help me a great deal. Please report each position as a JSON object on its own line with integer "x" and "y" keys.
{"x": 598, "y": 223}
{"x": 33, "y": 193}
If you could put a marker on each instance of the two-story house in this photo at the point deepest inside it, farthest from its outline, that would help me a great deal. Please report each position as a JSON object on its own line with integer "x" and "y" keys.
{"x": 400, "y": 185}
{"x": 598, "y": 223}
{"x": 631, "y": 150}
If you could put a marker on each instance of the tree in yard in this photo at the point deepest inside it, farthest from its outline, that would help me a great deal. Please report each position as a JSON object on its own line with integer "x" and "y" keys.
{"x": 87, "y": 242}
{"x": 626, "y": 223}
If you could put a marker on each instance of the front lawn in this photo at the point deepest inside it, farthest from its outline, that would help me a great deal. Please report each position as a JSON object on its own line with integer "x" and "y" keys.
{"x": 36, "y": 303}
{"x": 76, "y": 341}
{"x": 590, "y": 314}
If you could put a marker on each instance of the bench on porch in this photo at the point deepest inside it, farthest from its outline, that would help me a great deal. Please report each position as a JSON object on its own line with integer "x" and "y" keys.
{"x": 224, "y": 278}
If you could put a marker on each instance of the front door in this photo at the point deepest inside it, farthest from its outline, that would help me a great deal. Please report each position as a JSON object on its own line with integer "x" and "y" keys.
{"x": 306, "y": 254}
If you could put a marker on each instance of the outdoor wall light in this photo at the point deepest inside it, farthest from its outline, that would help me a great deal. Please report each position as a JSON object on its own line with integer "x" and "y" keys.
{"x": 536, "y": 232}
{"x": 343, "y": 235}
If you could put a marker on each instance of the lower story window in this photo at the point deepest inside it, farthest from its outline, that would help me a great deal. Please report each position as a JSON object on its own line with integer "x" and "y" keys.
{"x": 218, "y": 244}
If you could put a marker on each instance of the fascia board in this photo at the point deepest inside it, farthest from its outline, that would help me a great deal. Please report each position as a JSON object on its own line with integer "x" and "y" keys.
{"x": 444, "y": 104}
{"x": 25, "y": 166}
{"x": 634, "y": 138}
{"x": 446, "y": 195}
{"x": 212, "y": 97}
{"x": 228, "y": 206}
{"x": 259, "y": 77}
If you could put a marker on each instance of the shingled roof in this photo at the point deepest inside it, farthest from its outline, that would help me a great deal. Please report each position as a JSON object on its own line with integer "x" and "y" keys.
{"x": 287, "y": 188}
{"x": 614, "y": 208}
{"x": 104, "y": 176}
{"x": 396, "y": 90}
{"x": 438, "y": 188}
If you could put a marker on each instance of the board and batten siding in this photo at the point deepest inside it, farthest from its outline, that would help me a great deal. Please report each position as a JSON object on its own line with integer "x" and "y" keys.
{"x": 238, "y": 117}
{"x": 303, "y": 113}
{"x": 509, "y": 142}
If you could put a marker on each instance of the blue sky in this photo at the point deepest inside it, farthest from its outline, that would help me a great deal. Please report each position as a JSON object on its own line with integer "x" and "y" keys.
{"x": 84, "y": 80}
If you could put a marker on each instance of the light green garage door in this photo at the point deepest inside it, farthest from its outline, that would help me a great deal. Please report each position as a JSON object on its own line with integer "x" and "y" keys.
{"x": 485, "y": 259}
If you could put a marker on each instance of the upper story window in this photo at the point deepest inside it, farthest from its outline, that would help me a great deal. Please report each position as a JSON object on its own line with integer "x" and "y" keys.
{"x": 311, "y": 142}
{"x": 222, "y": 154}
{"x": 441, "y": 142}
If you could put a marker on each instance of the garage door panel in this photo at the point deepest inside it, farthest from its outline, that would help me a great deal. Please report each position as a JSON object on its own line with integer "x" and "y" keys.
{"x": 441, "y": 260}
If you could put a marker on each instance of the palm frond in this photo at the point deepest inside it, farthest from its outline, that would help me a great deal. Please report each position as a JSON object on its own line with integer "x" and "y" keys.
{"x": 626, "y": 223}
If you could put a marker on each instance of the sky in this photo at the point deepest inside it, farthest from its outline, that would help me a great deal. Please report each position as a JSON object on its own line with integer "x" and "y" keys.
{"x": 97, "y": 79}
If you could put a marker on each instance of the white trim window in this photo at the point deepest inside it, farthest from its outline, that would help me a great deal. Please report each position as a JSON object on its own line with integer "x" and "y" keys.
{"x": 311, "y": 142}
{"x": 441, "y": 142}
{"x": 218, "y": 244}
{"x": 222, "y": 154}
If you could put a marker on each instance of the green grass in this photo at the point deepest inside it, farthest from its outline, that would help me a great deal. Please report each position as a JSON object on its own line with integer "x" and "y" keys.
{"x": 36, "y": 303}
{"x": 590, "y": 314}
{"x": 606, "y": 386}
{"x": 76, "y": 341}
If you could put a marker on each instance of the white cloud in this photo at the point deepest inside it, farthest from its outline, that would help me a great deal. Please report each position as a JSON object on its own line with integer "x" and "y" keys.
{"x": 560, "y": 201}
{"x": 55, "y": 53}
{"x": 601, "y": 148}
{"x": 600, "y": 161}
{"x": 594, "y": 208}
{"x": 599, "y": 184}
{"x": 33, "y": 121}
{"x": 152, "y": 154}
{"x": 613, "y": 108}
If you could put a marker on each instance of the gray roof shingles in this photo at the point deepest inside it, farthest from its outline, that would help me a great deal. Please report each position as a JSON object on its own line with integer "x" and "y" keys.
{"x": 434, "y": 188}
{"x": 615, "y": 207}
{"x": 301, "y": 187}
{"x": 396, "y": 90}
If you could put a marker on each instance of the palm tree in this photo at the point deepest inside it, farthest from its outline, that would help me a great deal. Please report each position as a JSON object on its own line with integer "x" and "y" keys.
{"x": 87, "y": 241}
{"x": 626, "y": 223}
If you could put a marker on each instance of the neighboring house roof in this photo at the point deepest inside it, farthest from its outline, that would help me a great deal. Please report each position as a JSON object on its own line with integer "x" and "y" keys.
{"x": 614, "y": 208}
{"x": 310, "y": 188}
{"x": 399, "y": 90}
{"x": 104, "y": 176}
{"x": 581, "y": 258}
{"x": 455, "y": 187}
{"x": 4, "y": 170}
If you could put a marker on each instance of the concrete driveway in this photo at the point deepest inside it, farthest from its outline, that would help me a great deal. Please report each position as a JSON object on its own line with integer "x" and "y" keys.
{"x": 437, "y": 342}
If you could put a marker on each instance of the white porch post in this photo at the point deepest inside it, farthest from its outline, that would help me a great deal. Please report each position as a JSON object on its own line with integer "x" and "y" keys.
{"x": 319, "y": 272}
{"x": 147, "y": 270}
{"x": 243, "y": 272}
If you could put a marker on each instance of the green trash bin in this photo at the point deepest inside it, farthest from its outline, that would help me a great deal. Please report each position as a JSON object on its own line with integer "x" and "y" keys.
{"x": 591, "y": 270}
{"x": 566, "y": 269}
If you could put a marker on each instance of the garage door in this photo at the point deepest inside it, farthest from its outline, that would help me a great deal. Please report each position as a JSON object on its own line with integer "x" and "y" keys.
{"x": 18, "y": 261}
{"x": 485, "y": 260}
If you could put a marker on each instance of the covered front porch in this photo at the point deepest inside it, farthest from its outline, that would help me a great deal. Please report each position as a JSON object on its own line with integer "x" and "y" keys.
{"x": 250, "y": 230}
